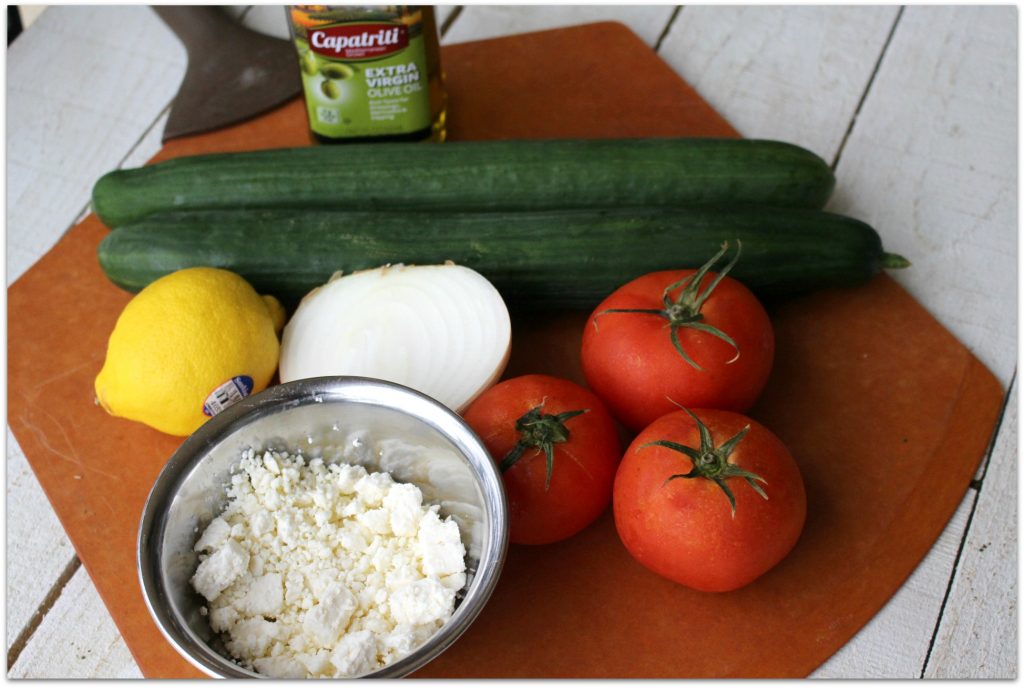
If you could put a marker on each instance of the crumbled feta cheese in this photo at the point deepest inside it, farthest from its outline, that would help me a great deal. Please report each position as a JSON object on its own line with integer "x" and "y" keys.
{"x": 329, "y": 618}
{"x": 264, "y": 597}
{"x": 400, "y": 641}
{"x": 440, "y": 546}
{"x": 271, "y": 463}
{"x": 372, "y": 487}
{"x": 223, "y": 618}
{"x": 220, "y": 569}
{"x": 376, "y": 521}
{"x": 252, "y": 636}
{"x": 456, "y": 581}
{"x": 404, "y": 504}
{"x": 214, "y": 536}
{"x": 326, "y": 570}
{"x": 347, "y": 476}
{"x": 280, "y": 666}
{"x": 261, "y": 523}
{"x": 420, "y": 602}
{"x": 317, "y": 663}
{"x": 356, "y": 654}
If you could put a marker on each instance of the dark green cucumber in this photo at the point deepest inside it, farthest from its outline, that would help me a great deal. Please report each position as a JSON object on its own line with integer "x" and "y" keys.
{"x": 538, "y": 260}
{"x": 474, "y": 176}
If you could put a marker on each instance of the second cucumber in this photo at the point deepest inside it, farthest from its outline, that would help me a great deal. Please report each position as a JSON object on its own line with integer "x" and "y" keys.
{"x": 537, "y": 260}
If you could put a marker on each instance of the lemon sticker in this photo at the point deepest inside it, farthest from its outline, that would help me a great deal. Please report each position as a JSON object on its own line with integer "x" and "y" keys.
{"x": 227, "y": 394}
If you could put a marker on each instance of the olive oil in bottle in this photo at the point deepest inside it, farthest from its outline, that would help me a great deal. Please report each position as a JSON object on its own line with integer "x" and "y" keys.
{"x": 370, "y": 72}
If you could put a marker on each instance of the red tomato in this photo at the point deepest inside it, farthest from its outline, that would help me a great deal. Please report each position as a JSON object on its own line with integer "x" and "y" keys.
{"x": 631, "y": 360}
{"x": 521, "y": 418}
{"x": 685, "y": 526}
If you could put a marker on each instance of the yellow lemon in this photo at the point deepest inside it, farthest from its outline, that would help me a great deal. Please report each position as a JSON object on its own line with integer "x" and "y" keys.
{"x": 187, "y": 346}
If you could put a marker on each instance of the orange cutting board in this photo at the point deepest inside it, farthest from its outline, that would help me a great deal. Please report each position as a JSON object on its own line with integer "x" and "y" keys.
{"x": 886, "y": 413}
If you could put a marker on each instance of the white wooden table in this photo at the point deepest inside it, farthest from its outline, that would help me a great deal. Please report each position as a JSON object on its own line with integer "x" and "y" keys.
{"x": 916, "y": 108}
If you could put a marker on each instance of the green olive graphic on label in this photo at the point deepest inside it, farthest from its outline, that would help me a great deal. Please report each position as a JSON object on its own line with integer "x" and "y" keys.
{"x": 330, "y": 89}
{"x": 333, "y": 70}
{"x": 309, "y": 64}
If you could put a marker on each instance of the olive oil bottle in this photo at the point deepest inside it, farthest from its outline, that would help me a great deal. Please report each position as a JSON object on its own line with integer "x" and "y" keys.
{"x": 370, "y": 72}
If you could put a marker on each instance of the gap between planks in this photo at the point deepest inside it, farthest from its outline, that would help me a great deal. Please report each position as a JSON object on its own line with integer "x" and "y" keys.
{"x": 867, "y": 89}
{"x": 668, "y": 27}
{"x": 977, "y": 485}
{"x": 450, "y": 19}
{"x": 19, "y": 644}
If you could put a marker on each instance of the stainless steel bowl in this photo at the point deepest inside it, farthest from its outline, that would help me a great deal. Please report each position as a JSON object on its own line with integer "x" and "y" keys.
{"x": 321, "y": 417}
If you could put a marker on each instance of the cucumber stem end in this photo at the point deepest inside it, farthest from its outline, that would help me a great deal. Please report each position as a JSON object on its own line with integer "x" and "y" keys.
{"x": 894, "y": 261}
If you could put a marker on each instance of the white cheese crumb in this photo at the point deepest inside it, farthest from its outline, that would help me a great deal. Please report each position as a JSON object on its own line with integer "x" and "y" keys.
{"x": 439, "y": 546}
{"x": 325, "y": 570}
{"x": 404, "y": 504}
{"x": 329, "y": 618}
{"x": 252, "y": 636}
{"x": 355, "y": 655}
{"x": 223, "y": 618}
{"x": 420, "y": 602}
{"x": 372, "y": 487}
{"x": 215, "y": 535}
{"x": 220, "y": 570}
{"x": 264, "y": 597}
{"x": 261, "y": 523}
{"x": 317, "y": 663}
{"x": 280, "y": 666}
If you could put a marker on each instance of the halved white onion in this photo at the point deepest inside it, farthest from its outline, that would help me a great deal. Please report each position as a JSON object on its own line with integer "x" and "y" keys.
{"x": 443, "y": 330}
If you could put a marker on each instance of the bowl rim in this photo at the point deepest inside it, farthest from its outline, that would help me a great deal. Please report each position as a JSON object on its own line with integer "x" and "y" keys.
{"x": 303, "y": 392}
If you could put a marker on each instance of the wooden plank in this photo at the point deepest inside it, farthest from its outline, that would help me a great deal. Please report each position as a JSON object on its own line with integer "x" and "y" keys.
{"x": 893, "y": 644}
{"x": 269, "y": 19}
{"x": 127, "y": 67}
{"x": 33, "y": 525}
{"x": 64, "y": 142}
{"x": 477, "y": 22}
{"x": 76, "y": 639}
{"x": 790, "y": 73}
{"x": 977, "y": 637}
{"x": 36, "y": 536}
{"x": 932, "y": 164}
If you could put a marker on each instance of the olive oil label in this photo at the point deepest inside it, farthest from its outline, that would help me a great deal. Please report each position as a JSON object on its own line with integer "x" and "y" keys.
{"x": 363, "y": 78}
{"x": 359, "y": 41}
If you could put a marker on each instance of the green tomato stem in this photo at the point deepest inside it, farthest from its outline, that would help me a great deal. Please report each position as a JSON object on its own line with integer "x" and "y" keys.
{"x": 712, "y": 463}
{"x": 541, "y": 431}
{"x": 685, "y": 311}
